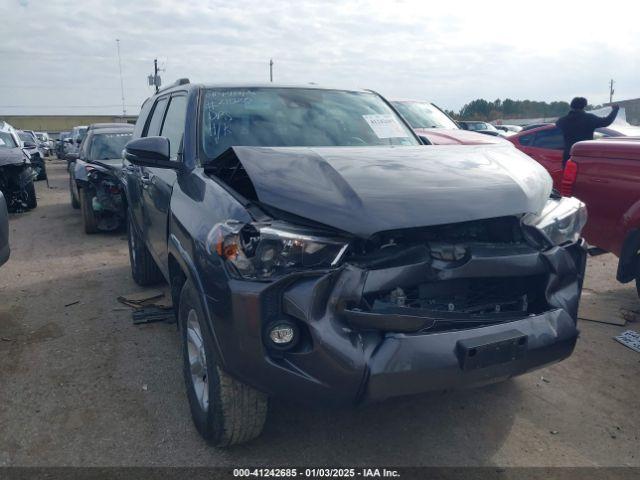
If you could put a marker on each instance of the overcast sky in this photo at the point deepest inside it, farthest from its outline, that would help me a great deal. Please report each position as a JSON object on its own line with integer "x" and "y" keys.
{"x": 60, "y": 57}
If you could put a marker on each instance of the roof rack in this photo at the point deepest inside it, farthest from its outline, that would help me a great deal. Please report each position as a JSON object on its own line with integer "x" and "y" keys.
{"x": 177, "y": 83}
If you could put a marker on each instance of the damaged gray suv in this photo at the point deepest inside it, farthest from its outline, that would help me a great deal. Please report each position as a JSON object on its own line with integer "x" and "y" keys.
{"x": 317, "y": 250}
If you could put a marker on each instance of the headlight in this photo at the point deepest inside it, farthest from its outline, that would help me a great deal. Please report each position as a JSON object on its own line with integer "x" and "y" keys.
{"x": 261, "y": 251}
{"x": 561, "y": 220}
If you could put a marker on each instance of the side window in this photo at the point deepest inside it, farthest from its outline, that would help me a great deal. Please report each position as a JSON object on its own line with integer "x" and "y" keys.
{"x": 153, "y": 129}
{"x": 526, "y": 140}
{"x": 142, "y": 119}
{"x": 84, "y": 147}
{"x": 173, "y": 127}
{"x": 550, "y": 139}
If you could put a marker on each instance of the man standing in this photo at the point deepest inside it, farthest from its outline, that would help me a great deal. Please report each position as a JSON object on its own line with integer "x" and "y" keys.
{"x": 579, "y": 125}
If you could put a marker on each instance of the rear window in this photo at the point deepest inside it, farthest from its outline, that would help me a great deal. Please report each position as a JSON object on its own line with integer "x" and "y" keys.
{"x": 550, "y": 139}
{"x": 526, "y": 140}
{"x": 7, "y": 140}
{"x": 107, "y": 146}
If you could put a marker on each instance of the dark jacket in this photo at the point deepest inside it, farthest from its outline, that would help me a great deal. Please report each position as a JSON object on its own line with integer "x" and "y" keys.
{"x": 579, "y": 125}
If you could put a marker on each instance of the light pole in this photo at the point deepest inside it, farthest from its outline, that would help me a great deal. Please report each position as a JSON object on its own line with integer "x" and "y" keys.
{"x": 124, "y": 110}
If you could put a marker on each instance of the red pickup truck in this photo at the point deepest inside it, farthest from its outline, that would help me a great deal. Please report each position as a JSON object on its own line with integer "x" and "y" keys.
{"x": 605, "y": 174}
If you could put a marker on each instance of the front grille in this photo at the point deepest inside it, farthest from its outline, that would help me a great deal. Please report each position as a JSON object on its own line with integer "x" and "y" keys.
{"x": 466, "y": 302}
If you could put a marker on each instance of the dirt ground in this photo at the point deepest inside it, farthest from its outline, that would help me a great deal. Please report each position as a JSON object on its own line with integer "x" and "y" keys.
{"x": 81, "y": 385}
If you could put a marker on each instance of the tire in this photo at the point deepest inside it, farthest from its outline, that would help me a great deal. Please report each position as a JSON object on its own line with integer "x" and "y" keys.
{"x": 225, "y": 411}
{"x": 74, "y": 201}
{"x": 43, "y": 173}
{"x": 89, "y": 220}
{"x": 31, "y": 200}
{"x": 144, "y": 270}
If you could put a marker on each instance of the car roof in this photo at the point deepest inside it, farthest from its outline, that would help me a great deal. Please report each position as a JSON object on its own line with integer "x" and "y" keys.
{"x": 107, "y": 130}
{"x": 96, "y": 126}
{"x": 306, "y": 86}
{"x": 5, "y": 127}
{"x": 541, "y": 128}
{"x": 409, "y": 100}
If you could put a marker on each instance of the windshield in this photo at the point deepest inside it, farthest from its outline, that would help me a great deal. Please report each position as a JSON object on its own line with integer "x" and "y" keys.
{"x": 480, "y": 126}
{"x": 108, "y": 146}
{"x": 7, "y": 140}
{"x": 79, "y": 132}
{"x": 424, "y": 115}
{"x": 25, "y": 137}
{"x": 296, "y": 117}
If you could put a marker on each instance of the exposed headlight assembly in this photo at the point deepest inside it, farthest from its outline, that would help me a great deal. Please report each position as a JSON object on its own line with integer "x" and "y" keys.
{"x": 561, "y": 220}
{"x": 264, "y": 251}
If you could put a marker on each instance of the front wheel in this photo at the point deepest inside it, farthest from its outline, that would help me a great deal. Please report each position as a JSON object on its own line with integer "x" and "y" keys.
{"x": 72, "y": 188}
{"x": 224, "y": 410}
{"x": 89, "y": 220}
{"x": 31, "y": 199}
{"x": 42, "y": 174}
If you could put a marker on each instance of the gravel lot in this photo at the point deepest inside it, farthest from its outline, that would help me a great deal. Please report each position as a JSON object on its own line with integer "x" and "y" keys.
{"x": 81, "y": 385}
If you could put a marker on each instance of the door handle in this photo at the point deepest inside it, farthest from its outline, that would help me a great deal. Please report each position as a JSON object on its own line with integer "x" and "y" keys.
{"x": 145, "y": 179}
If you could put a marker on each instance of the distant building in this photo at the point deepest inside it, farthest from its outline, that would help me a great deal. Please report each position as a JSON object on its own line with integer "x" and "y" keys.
{"x": 61, "y": 123}
{"x": 632, "y": 108}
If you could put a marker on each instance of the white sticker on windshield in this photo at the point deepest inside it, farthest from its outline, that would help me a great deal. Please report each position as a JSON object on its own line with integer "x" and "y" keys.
{"x": 385, "y": 126}
{"x": 1, "y": 142}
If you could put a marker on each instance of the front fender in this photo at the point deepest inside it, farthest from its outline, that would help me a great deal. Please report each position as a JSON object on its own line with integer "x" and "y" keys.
{"x": 188, "y": 267}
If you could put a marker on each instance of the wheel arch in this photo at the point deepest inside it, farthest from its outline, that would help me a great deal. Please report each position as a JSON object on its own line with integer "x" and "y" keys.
{"x": 182, "y": 268}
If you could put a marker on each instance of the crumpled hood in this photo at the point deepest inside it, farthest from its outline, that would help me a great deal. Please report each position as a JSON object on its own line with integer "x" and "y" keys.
{"x": 11, "y": 156}
{"x": 112, "y": 163}
{"x": 372, "y": 189}
{"x": 443, "y": 136}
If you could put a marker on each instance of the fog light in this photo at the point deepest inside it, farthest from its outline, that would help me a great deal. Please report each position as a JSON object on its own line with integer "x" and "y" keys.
{"x": 283, "y": 334}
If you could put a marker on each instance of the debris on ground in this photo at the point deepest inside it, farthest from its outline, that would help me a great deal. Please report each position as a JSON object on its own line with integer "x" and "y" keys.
{"x": 616, "y": 306}
{"x": 149, "y": 306}
{"x": 554, "y": 432}
{"x": 545, "y": 380}
{"x": 153, "y": 314}
{"x": 629, "y": 339}
{"x": 140, "y": 299}
{"x": 72, "y": 303}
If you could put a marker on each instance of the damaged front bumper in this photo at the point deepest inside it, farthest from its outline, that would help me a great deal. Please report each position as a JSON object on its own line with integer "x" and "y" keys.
{"x": 361, "y": 340}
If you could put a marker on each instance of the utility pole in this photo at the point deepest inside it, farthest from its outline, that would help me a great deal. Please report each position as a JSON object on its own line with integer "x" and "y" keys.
{"x": 154, "y": 80}
{"x": 124, "y": 110}
{"x": 271, "y": 70}
{"x": 155, "y": 73}
{"x": 611, "y": 90}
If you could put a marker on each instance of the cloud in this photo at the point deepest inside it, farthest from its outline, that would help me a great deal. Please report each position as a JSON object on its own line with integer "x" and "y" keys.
{"x": 448, "y": 52}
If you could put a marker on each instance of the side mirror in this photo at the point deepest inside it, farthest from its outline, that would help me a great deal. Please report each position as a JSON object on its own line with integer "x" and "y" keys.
{"x": 78, "y": 141}
{"x": 28, "y": 144}
{"x": 68, "y": 140}
{"x": 150, "y": 152}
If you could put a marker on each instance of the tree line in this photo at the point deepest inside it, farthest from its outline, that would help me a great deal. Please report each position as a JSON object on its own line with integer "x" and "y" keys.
{"x": 481, "y": 109}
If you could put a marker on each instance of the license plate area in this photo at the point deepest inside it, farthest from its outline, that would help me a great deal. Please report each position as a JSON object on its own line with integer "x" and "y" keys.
{"x": 493, "y": 349}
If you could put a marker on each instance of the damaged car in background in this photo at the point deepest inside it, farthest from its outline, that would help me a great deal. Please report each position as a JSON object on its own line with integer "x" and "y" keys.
{"x": 16, "y": 174}
{"x": 317, "y": 250}
{"x": 94, "y": 177}
{"x": 4, "y": 231}
{"x": 36, "y": 155}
